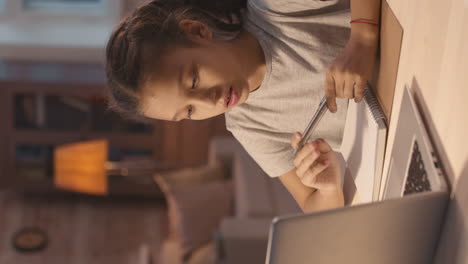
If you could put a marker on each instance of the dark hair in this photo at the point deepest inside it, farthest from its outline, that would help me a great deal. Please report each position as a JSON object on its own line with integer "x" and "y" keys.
{"x": 153, "y": 28}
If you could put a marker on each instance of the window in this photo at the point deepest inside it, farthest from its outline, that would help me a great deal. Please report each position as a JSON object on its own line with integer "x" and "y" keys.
{"x": 64, "y": 30}
{"x": 66, "y": 6}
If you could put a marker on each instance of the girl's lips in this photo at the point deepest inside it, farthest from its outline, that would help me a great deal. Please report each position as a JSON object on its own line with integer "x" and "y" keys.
{"x": 234, "y": 97}
{"x": 227, "y": 97}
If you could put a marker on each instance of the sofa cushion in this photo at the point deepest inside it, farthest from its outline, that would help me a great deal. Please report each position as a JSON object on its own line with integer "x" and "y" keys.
{"x": 195, "y": 211}
{"x": 282, "y": 200}
{"x": 252, "y": 190}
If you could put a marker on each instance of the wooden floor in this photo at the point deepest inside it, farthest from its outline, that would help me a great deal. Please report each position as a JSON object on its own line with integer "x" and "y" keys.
{"x": 81, "y": 230}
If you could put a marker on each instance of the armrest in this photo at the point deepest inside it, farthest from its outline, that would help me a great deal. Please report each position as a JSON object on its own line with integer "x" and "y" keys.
{"x": 223, "y": 149}
{"x": 243, "y": 240}
{"x": 253, "y": 197}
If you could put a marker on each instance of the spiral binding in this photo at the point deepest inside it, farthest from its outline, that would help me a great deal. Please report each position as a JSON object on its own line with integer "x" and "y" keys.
{"x": 374, "y": 105}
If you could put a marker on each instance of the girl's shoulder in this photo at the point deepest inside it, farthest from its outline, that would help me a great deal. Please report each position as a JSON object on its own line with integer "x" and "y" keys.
{"x": 293, "y": 6}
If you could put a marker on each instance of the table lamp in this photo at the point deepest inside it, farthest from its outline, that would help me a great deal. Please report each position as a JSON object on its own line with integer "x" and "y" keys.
{"x": 83, "y": 167}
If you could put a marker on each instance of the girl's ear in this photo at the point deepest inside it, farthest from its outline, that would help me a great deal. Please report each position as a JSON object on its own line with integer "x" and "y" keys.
{"x": 195, "y": 30}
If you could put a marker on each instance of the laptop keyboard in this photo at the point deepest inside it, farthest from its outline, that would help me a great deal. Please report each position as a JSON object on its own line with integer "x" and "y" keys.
{"x": 417, "y": 180}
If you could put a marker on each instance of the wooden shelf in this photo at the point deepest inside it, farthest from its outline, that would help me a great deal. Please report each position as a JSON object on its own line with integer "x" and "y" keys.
{"x": 86, "y": 82}
{"x": 54, "y": 88}
{"x": 171, "y": 144}
{"x": 48, "y": 137}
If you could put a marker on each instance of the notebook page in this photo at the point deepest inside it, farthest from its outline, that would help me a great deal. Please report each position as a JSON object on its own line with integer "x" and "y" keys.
{"x": 362, "y": 149}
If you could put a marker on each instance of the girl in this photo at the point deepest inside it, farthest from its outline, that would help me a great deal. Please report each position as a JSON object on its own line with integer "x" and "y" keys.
{"x": 264, "y": 64}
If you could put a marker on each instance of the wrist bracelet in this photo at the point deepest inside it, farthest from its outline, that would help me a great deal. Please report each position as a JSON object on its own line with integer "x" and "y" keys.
{"x": 364, "y": 22}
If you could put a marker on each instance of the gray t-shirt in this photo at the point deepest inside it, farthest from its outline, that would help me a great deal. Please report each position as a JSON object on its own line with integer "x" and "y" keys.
{"x": 300, "y": 38}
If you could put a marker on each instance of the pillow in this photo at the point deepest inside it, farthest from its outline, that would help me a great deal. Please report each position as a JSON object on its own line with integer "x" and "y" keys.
{"x": 203, "y": 255}
{"x": 187, "y": 176}
{"x": 195, "y": 211}
{"x": 169, "y": 253}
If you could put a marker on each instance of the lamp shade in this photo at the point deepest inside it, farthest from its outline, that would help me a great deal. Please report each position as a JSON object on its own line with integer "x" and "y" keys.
{"x": 81, "y": 167}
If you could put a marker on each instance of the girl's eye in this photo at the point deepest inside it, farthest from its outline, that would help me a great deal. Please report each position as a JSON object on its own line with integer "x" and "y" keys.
{"x": 195, "y": 79}
{"x": 190, "y": 111}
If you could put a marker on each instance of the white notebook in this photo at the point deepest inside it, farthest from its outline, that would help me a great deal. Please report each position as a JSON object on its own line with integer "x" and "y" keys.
{"x": 363, "y": 145}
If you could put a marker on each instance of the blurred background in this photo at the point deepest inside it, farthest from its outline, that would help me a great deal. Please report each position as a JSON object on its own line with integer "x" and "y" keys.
{"x": 94, "y": 201}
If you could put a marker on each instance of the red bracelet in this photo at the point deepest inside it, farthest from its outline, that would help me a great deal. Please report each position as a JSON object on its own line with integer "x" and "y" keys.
{"x": 364, "y": 22}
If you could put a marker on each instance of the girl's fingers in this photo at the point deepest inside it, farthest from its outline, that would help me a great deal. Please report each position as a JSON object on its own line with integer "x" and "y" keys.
{"x": 307, "y": 163}
{"x": 339, "y": 87}
{"x": 323, "y": 146}
{"x": 330, "y": 92}
{"x": 359, "y": 90}
{"x": 303, "y": 153}
{"x": 295, "y": 139}
{"x": 310, "y": 176}
{"x": 348, "y": 89}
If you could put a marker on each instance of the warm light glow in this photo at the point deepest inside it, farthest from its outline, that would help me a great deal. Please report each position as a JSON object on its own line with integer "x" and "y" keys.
{"x": 80, "y": 167}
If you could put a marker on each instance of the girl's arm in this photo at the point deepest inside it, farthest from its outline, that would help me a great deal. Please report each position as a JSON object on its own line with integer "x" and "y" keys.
{"x": 349, "y": 72}
{"x": 316, "y": 182}
{"x": 365, "y": 11}
{"x": 310, "y": 199}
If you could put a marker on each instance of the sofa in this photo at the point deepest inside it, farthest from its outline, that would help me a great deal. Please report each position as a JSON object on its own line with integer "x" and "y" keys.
{"x": 243, "y": 237}
{"x": 240, "y": 234}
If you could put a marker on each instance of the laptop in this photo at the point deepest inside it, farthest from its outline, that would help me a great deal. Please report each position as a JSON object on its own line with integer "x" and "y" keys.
{"x": 414, "y": 165}
{"x": 403, "y": 230}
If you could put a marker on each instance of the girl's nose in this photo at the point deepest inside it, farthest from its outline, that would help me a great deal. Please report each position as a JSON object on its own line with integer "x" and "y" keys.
{"x": 209, "y": 97}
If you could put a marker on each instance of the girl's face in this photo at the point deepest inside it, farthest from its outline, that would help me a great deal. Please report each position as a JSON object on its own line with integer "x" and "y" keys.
{"x": 195, "y": 83}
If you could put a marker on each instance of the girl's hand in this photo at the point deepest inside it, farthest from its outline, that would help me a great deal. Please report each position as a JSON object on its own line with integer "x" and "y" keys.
{"x": 348, "y": 74}
{"x": 317, "y": 165}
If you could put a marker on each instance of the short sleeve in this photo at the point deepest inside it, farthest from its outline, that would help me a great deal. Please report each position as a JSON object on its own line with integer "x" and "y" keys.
{"x": 271, "y": 151}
